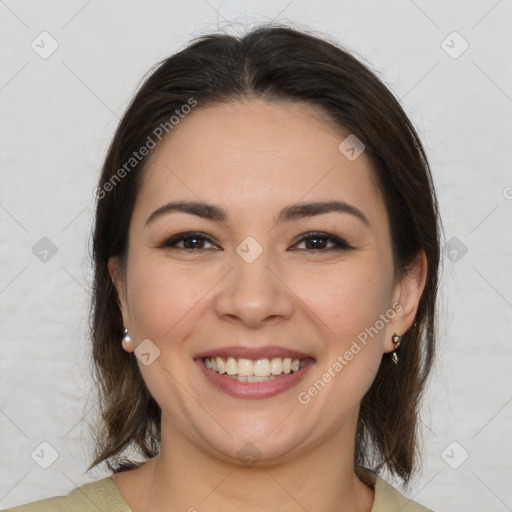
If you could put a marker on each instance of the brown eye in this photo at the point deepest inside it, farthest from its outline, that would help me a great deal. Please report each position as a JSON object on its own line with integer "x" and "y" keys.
{"x": 319, "y": 241}
{"x": 191, "y": 242}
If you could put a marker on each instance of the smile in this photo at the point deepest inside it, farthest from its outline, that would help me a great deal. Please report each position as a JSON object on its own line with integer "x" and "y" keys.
{"x": 258, "y": 370}
{"x": 253, "y": 373}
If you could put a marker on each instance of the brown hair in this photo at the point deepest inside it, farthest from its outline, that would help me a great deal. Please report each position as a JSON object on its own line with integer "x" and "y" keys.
{"x": 274, "y": 63}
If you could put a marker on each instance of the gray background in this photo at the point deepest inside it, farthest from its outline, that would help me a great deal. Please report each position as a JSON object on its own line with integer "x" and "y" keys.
{"x": 57, "y": 116}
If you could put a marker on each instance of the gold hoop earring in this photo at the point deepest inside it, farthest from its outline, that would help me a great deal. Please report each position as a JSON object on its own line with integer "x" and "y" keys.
{"x": 396, "y": 339}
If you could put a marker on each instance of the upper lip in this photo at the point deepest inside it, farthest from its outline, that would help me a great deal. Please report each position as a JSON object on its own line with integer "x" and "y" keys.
{"x": 254, "y": 353}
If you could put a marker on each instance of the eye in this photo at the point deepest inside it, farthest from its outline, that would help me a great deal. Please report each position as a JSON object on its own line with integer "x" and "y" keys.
{"x": 318, "y": 242}
{"x": 315, "y": 242}
{"x": 191, "y": 242}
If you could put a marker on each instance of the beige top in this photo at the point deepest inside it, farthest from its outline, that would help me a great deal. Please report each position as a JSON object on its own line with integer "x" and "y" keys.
{"x": 104, "y": 496}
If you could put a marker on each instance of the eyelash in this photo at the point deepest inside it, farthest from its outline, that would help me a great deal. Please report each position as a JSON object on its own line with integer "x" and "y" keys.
{"x": 171, "y": 242}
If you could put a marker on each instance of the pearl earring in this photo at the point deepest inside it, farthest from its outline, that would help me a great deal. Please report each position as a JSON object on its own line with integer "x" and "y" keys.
{"x": 127, "y": 341}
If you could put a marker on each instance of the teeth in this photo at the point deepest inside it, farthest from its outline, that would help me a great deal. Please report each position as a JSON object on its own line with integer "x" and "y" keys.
{"x": 262, "y": 368}
{"x": 231, "y": 366}
{"x": 276, "y": 366}
{"x": 252, "y": 378}
{"x": 259, "y": 370}
{"x": 245, "y": 367}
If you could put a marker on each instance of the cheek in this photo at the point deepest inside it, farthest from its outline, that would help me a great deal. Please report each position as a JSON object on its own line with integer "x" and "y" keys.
{"x": 346, "y": 299}
{"x": 350, "y": 306}
{"x": 161, "y": 296}
{"x": 165, "y": 302}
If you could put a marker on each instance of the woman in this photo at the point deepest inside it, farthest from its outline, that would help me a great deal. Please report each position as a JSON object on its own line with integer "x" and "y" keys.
{"x": 266, "y": 252}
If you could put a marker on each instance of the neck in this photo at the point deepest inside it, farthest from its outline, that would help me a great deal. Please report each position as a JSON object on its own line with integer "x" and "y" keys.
{"x": 184, "y": 477}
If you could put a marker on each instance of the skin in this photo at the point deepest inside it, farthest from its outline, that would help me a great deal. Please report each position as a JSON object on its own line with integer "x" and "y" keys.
{"x": 253, "y": 158}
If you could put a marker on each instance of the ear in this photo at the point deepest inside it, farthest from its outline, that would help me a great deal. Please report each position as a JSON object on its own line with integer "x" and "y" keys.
{"x": 116, "y": 273}
{"x": 407, "y": 292}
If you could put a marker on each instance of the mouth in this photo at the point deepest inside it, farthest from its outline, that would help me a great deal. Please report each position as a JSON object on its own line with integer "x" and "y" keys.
{"x": 248, "y": 370}
{"x": 254, "y": 373}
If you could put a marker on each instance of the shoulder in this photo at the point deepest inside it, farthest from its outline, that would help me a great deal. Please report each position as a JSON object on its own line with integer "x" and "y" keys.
{"x": 100, "y": 495}
{"x": 387, "y": 498}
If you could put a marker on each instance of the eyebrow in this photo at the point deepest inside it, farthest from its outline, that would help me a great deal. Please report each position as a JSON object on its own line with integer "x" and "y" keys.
{"x": 287, "y": 214}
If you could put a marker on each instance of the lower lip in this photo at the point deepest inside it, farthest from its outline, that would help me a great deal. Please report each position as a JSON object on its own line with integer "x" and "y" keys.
{"x": 255, "y": 390}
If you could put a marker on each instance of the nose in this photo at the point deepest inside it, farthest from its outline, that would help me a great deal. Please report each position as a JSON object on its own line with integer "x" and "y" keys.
{"x": 254, "y": 293}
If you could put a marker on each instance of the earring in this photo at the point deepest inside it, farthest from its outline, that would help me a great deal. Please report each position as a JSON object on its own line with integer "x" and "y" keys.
{"x": 127, "y": 341}
{"x": 397, "y": 339}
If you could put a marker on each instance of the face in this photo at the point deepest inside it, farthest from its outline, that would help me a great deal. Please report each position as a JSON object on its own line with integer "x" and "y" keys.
{"x": 254, "y": 276}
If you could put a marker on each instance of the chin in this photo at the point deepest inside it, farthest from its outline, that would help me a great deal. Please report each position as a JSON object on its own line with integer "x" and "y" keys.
{"x": 253, "y": 442}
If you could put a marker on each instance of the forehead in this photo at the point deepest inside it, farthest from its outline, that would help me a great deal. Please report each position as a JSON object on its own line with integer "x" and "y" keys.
{"x": 251, "y": 154}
